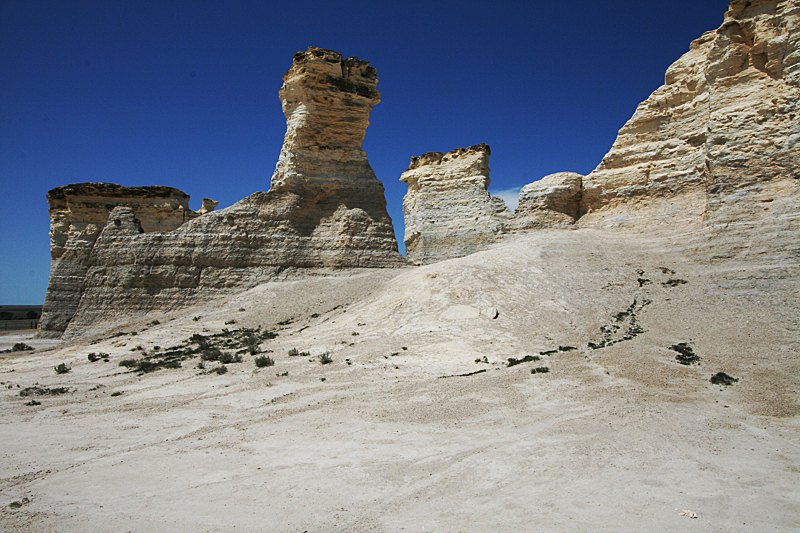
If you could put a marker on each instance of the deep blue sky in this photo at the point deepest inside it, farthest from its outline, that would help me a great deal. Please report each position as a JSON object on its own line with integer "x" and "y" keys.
{"x": 185, "y": 94}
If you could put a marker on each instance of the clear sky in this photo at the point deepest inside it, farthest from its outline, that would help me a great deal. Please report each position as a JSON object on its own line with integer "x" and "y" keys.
{"x": 185, "y": 93}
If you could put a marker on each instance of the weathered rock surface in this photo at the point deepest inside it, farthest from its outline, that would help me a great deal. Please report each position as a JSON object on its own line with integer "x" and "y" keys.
{"x": 725, "y": 122}
{"x": 325, "y": 209}
{"x": 553, "y": 201}
{"x": 717, "y": 146}
{"x": 78, "y": 214}
{"x": 448, "y": 209}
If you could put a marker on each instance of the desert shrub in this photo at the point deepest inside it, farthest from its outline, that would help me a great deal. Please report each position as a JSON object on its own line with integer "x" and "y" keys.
{"x": 43, "y": 391}
{"x": 566, "y": 348}
{"x": 314, "y": 315}
{"x": 210, "y": 353}
{"x": 117, "y": 393}
{"x": 220, "y": 370}
{"x": 19, "y": 503}
{"x": 263, "y": 361}
{"x": 548, "y": 352}
{"x": 686, "y": 355}
{"x": 526, "y": 359}
{"x": 196, "y": 318}
{"x": 721, "y": 378}
{"x": 325, "y": 358}
{"x": 540, "y": 370}
{"x": 33, "y": 402}
{"x": 97, "y": 356}
{"x": 62, "y": 369}
{"x": 294, "y": 352}
{"x": 229, "y": 322}
{"x": 227, "y": 357}
{"x": 128, "y": 363}
{"x": 21, "y": 347}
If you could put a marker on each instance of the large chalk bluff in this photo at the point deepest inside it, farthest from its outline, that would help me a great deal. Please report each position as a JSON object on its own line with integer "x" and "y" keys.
{"x": 143, "y": 250}
{"x": 717, "y": 145}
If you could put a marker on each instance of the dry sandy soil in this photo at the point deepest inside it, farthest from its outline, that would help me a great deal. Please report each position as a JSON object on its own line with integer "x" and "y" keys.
{"x": 419, "y": 423}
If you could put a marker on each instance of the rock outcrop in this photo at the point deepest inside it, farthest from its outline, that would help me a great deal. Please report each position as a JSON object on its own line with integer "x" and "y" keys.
{"x": 325, "y": 209}
{"x": 553, "y": 201}
{"x": 726, "y": 120}
{"x": 448, "y": 209}
{"x": 78, "y": 214}
{"x": 718, "y": 145}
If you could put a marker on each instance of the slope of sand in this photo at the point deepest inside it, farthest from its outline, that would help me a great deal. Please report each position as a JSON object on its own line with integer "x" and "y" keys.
{"x": 405, "y": 433}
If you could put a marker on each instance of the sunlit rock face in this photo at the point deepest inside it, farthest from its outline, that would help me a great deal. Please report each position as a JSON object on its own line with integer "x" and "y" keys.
{"x": 78, "y": 214}
{"x": 553, "y": 201}
{"x": 448, "y": 210}
{"x": 726, "y": 123}
{"x": 325, "y": 209}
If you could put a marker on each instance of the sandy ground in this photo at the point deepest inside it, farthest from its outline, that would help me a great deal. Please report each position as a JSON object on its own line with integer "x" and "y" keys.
{"x": 419, "y": 424}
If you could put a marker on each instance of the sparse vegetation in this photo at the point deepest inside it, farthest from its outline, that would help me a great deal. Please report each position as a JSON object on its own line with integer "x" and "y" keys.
{"x": 62, "y": 369}
{"x": 315, "y": 315}
{"x": 674, "y": 282}
{"x": 721, "y": 378}
{"x": 264, "y": 361}
{"x": 229, "y": 322}
{"x": 43, "y": 391}
{"x": 540, "y": 370}
{"x": 325, "y": 358}
{"x": 483, "y": 359}
{"x": 33, "y": 402}
{"x": 19, "y": 503}
{"x": 116, "y": 393}
{"x": 220, "y": 370}
{"x": 21, "y": 347}
{"x": 92, "y": 357}
{"x": 295, "y": 353}
{"x": 686, "y": 355}
{"x": 528, "y": 358}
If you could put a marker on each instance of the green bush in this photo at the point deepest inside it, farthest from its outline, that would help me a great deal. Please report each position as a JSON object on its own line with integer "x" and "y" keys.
{"x": 263, "y": 361}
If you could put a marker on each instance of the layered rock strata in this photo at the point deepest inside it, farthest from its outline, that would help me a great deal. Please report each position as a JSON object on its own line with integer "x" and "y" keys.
{"x": 78, "y": 215}
{"x": 717, "y": 146}
{"x": 448, "y": 209}
{"x": 726, "y": 120}
{"x": 325, "y": 209}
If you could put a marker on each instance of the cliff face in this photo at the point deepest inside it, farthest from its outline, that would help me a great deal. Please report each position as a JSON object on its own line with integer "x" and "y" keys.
{"x": 325, "y": 209}
{"x": 717, "y": 146}
{"x": 448, "y": 210}
{"x": 727, "y": 119}
{"x": 78, "y": 214}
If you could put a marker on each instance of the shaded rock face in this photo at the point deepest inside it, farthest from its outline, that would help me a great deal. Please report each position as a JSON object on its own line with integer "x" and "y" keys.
{"x": 325, "y": 209}
{"x": 448, "y": 209}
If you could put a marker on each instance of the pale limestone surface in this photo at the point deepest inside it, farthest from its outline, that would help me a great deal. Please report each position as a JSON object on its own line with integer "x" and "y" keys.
{"x": 78, "y": 214}
{"x": 726, "y": 122}
{"x": 448, "y": 209}
{"x": 420, "y": 424}
{"x": 553, "y": 201}
{"x": 324, "y": 210}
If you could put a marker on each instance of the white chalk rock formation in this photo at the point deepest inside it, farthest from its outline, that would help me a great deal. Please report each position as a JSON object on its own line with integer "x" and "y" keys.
{"x": 448, "y": 209}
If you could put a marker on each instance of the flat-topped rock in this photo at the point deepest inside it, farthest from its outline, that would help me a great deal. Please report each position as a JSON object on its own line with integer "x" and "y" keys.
{"x": 448, "y": 209}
